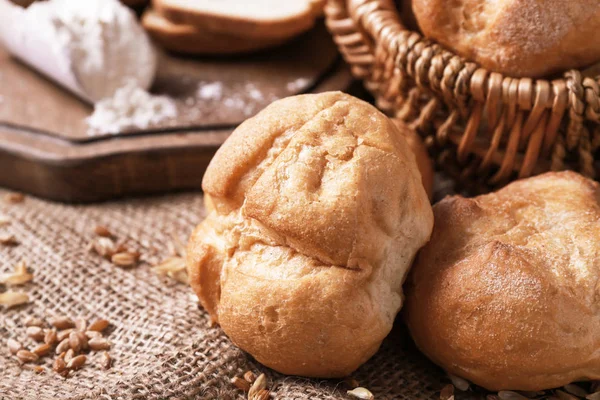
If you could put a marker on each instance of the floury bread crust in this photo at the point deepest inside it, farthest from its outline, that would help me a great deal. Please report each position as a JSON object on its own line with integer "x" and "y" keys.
{"x": 317, "y": 214}
{"x": 507, "y": 292}
{"x": 520, "y": 38}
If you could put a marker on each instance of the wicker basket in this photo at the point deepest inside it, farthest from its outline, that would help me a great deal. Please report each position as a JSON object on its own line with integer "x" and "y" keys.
{"x": 481, "y": 126}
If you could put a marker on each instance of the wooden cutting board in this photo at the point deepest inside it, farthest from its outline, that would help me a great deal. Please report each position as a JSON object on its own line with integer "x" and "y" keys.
{"x": 46, "y": 147}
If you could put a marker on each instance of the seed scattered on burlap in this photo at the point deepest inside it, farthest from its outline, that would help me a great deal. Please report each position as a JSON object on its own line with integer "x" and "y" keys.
{"x": 4, "y": 220}
{"x": 575, "y": 390}
{"x": 63, "y": 346}
{"x": 36, "y": 333}
{"x": 14, "y": 198}
{"x": 459, "y": 383}
{"x": 106, "y": 360}
{"x": 19, "y": 276}
{"x": 75, "y": 342}
{"x": 64, "y": 334}
{"x": 13, "y": 346}
{"x": 92, "y": 334}
{"x": 12, "y": 299}
{"x": 62, "y": 322}
{"x": 510, "y": 395}
{"x": 76, "y": 362}
{"x": 26, "y": 356}
{"x": 81, "y": 324}
{"x": 102, "y": 231}
{"x": 8, "y": 240}
{"x": 361, "y": 393}
{"x": 447, "y": 392}
{"x": 262, "y": 394}
{"x": 42, "y": 350}
{"x": 69, "y": 355}
{"x": 98, "y": 325}
{"x": 249, "y": 376}
{"x": 98, "y": 344}
{"x": 38, "y": 369}
{"x": 104, "y": 247}
{"x": 59, "y": 365}
{"x": 259, "y": 384}
{"x": 50, "y": 337}
{"x": 173, "y": 267}
{"x": 124, "y": 259}
{"x": 31, "y": 321}
{"x": 240, "y": 383}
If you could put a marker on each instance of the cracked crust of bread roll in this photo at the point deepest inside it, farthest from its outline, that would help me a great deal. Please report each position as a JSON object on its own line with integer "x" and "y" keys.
{"x": 507, "y": 292}
{"x": 262, "y": 19}
{"x": 518, "y": 38}
{"x": 189, "y": 39}
{"x": 316, "y": 213}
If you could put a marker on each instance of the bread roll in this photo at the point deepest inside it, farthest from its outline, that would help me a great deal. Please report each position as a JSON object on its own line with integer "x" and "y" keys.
{"x": 317, "y": 213}
{"x": 188, "y": 39}
{"x": 262, "y": 19}
{"x": 507, "y": 292}
{"x": 515, "y": 37}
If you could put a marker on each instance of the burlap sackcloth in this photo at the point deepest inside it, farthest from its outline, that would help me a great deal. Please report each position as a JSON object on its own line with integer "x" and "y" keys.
{"x": 162, "y": 344}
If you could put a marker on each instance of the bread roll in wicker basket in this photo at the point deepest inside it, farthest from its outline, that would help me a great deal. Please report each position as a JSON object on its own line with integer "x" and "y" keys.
{"x": 482, "y": 127}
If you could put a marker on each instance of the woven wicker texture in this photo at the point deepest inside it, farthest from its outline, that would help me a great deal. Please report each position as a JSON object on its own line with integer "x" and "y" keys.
{"x": 483, "y": 127}
{"x": 163, "y": 345}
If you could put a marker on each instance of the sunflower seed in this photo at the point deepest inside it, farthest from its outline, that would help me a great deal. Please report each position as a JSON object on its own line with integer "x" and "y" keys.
{"x": 97, "y": 344}
{"x": 459, "y": 383}
{"x": 361, "y": 393}
{"x": 26, "y": 356}
{"x": 76, "y": 362}
{"x": 124, "y": 259}
{"x": 98, "y": 325}
{"x": 63, "y": 346}
{"x": 249, "y": 376}
{"x": 81, "y": 324}
{"x": 564, "y": 395}
{"x": 576, "y": 390}
{"x": 447, "y": 392}
{"x": 42, "y": 350}
{"x": 36, "y": 333}
{"x": 59, "y": 365}
{"x": 62, "y": 323}
{"x": 34, "y": 322}
{"x": 103, "y": 231}
{"x": 259, "y": 384}
{"x": 11, "y": 298}
{"x": 106, "y": 360}
{"x": 75, "y": 342}
{"x": 13, "y": 346}
{"x": 510, "y": 395}
{"x": 240, "y": 383}
{"x": 262, "y": 394}
{"x": 173, "y": 264}
{"x": 69, "y": 355}
{"x": 8, "y": 240}
{"x": 14, "y": 198}
{"x": 50, "y": 337}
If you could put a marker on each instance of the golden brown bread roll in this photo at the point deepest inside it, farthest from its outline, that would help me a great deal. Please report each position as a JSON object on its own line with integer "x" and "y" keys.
{"x": 515, "y": 37}
{"x": 317, "y": 214}
{"x": 507, "y": 292}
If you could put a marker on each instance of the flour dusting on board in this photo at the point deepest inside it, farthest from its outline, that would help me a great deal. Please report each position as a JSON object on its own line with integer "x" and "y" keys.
{"x": 130, "y": 107}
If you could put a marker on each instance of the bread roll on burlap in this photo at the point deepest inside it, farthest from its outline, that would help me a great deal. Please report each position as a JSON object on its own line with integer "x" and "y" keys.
{"x": 507, "y": 292}
{"x": 516, "y": 37}
{"x": 317, "y": 211}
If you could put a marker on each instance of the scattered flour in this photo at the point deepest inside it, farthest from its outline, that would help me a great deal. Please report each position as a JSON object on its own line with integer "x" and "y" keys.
{"x": 130, "y": 107}
{"x": 297, "y": 84}
{"x": 210, "y": 91}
